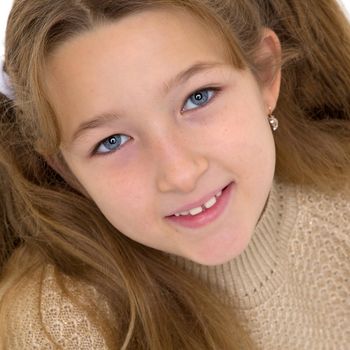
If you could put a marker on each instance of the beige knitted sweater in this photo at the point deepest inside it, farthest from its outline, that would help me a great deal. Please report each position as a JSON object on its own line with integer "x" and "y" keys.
{"x": 290, "y": 287}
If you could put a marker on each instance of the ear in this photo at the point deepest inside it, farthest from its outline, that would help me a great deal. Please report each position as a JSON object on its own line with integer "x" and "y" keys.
{"x": 268, "y": 61}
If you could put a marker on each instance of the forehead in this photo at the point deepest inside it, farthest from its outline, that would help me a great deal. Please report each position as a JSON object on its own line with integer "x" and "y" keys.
{"x": 152, "y": 32}
{"x": 144, "y": 49}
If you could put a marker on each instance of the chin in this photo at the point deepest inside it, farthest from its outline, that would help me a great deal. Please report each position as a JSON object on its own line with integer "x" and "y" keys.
{"x": 220, "y": 254}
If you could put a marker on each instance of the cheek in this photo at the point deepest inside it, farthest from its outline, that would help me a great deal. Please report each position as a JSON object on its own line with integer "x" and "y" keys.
{"x": 123, "y": 198}
{"x": 243, "y": 136}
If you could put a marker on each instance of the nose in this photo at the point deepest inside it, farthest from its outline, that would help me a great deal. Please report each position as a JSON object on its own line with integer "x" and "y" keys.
{"x": 179, "y": 165}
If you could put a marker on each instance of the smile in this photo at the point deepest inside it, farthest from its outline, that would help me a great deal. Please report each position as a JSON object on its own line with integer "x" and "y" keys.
{"x": 198, "y": 210}
{"x": 206, "y": 213}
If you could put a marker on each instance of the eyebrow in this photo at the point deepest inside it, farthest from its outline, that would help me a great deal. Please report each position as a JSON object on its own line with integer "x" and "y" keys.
{"x": 187, "y": 73}
{"x": 94, "y": 123}
{"x": 179, "y": 79}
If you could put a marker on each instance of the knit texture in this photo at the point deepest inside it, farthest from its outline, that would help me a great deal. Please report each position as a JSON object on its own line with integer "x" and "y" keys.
{"x": 43, "y": 317}
{"x": 290, "y": 287}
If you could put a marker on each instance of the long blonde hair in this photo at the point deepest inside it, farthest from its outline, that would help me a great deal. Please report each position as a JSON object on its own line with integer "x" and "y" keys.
{"x": 45, "y": 220}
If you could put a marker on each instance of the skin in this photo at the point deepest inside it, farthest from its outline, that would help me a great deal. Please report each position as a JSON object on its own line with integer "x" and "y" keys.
{"x": 171, "y": 157}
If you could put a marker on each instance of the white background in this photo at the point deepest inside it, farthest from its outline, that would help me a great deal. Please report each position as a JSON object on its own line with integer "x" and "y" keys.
{"x": 5, "y": 6}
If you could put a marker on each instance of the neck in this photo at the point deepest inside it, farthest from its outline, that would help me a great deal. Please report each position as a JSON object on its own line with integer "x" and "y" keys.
{"x": 249, "y": 278}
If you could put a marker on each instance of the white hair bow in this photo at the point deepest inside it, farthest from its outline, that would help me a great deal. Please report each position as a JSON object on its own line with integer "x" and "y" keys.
{"x": 5, "y": 85}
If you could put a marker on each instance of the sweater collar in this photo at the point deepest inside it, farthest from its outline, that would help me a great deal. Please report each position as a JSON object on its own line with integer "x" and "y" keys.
{"x": 251, "y": 278}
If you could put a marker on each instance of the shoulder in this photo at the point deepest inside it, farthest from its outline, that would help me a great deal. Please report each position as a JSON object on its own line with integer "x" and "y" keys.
{"x": 39, "y": 313}
{"x": 322, "y": 230}
{"x": 330, "y": 207}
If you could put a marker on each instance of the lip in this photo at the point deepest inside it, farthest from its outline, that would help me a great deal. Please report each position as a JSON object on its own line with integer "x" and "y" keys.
{"x": 197, "y": 203}
{"x": 208, "y": 215}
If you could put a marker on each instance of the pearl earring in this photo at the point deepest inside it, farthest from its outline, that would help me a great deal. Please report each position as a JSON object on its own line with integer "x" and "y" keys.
{"x": 272, "y": 120}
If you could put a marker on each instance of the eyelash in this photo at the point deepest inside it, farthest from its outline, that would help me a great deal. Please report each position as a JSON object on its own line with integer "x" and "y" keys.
{"x": 114, "y": 136}
{"x": 215, "y": 91}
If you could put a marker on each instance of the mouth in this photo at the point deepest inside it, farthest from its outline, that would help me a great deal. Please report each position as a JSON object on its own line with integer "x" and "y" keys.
{"x": 206, "y": 213}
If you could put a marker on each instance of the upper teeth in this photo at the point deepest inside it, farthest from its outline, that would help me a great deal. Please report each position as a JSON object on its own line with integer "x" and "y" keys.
{"x": 198, "y": 210}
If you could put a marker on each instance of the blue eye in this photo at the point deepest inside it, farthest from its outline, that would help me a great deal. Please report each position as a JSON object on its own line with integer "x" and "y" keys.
{"x": 111, "y": 144}
{"x": 199, "y": 99}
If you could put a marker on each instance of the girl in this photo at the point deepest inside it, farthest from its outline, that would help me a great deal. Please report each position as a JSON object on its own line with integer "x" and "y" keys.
{"x": 143, "y": 204}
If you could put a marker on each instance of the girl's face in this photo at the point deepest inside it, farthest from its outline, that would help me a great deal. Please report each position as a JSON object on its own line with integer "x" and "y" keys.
{"x": 155, "y": 122}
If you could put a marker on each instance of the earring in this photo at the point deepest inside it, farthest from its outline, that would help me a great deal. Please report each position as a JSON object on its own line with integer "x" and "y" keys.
{"x": 272, "y": 120}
